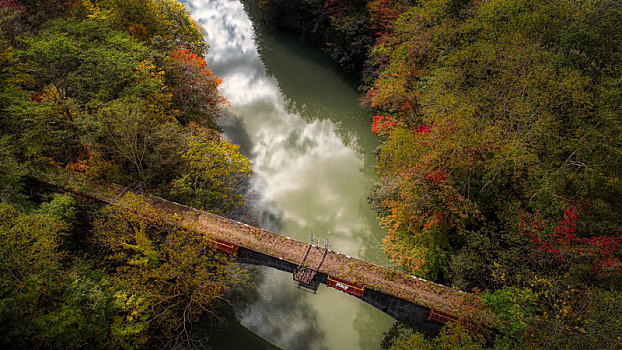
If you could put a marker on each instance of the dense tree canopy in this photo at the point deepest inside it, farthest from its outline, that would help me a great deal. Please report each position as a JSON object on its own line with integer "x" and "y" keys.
{"x": 167, "y": 277}
{"x": 499, "y": 172}
{"x": 114, "y": 90}
{"x": 48, "y": 300}
{"x": 500, "y": 163}
{"x": 86, "y": 90}
{"x": 494, "y": 117}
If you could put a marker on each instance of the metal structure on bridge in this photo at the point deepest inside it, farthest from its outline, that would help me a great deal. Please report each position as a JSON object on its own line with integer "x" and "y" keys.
{"x": 400, "y": 295}
{"x": 304, "y": 274}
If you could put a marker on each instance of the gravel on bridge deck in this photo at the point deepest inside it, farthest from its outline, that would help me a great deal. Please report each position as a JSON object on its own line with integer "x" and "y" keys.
{"x": 395, "y": 283}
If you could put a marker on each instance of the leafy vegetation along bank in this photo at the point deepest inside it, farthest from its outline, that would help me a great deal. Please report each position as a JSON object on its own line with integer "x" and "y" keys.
{"x": 500, "y": 167}
{"x": 117, "y": 90}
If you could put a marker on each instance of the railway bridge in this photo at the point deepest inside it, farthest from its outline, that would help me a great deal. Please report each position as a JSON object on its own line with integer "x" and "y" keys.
{"x": 402, "y": 296}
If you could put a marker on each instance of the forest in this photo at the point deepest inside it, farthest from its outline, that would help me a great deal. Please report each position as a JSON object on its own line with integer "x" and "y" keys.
{"x": 500, "y": 166}
{"x": 119, "y": 91}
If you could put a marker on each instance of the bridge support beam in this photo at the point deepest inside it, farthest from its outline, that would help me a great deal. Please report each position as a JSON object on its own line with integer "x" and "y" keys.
{"x": 400, "y": 291}
{"x": 398, "y": 309}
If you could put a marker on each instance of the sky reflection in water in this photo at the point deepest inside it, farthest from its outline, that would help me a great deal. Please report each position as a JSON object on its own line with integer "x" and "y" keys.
{"x": 310, "y": 147}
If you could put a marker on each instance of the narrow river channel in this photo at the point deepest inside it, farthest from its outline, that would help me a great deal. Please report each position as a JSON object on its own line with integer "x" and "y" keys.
{"x": 298, "y": 120}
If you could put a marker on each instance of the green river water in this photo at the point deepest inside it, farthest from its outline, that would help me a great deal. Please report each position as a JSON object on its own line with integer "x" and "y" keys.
{"x": 298, "y": 120}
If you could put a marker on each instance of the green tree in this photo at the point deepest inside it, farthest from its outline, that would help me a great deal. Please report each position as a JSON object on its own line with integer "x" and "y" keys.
{"x": 146, "y": 149}
{"x": 147, "y": 19}
{"x": 83, "y": 60}
{"x": 168, "y": 277}
{"x": 214, "y": 175}
{"x": 43, "y": 302}
{"x": 451, "y": 337}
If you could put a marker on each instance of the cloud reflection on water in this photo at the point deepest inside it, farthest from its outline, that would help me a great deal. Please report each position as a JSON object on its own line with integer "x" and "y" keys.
{"x": 305, "y": 167}
{"x": 311, "y": 175}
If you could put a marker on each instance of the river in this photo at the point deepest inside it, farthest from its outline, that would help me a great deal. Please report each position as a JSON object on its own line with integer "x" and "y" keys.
{"x": 298, "y": 120}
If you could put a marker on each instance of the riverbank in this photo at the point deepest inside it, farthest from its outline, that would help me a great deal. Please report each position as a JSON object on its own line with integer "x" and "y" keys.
{"x": 347, "y": 41}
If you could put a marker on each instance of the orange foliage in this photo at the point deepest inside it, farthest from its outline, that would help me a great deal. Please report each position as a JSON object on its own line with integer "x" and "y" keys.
{"x": 383, "y": 13}
{"x": 185, "y": 56}
{"x": 196, "y": 90}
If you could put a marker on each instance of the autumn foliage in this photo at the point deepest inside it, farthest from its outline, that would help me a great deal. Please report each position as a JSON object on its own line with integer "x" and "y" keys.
{"x": 195, "y": 87}
{"x": 115, "y": 91}
{"x": 383, "y": 13}
{"x": 600, "y": 256}
{"x": 338, "y": 10}
{"x": 11, "y": 4}
{"x": 382, "y": 124}
{"x": 499, "y": 162}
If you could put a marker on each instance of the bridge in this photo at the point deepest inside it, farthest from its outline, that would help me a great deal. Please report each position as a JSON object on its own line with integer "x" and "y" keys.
{"x": 402, "y": 296}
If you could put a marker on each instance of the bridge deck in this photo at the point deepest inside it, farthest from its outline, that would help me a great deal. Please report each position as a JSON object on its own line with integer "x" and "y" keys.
{"x": 390, "y": 282}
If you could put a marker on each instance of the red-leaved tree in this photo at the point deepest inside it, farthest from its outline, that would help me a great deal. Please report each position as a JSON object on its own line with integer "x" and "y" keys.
{"x": 196, "y": 90}
{"x": 597, "y": 255}
{"x": 11, "y": 4}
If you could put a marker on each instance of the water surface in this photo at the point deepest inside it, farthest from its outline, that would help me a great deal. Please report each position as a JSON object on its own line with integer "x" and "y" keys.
{"x": 298, "y": 120}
